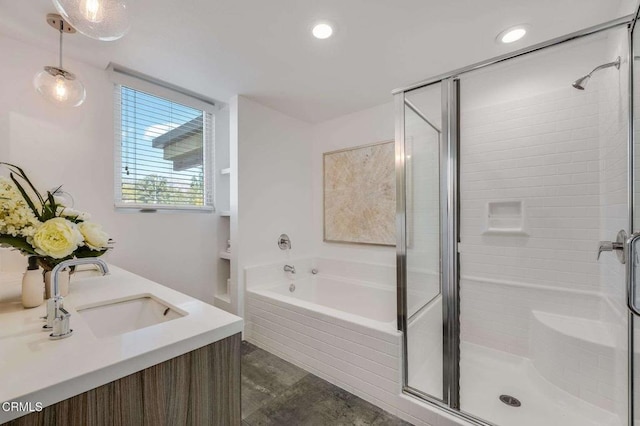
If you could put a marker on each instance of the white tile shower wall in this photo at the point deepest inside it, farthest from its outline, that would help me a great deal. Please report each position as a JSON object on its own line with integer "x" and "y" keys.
{"x": 562, "y": 154}
{"x": 542, "y": 150}
{"x": 613, "y": 140}
{"x": 497, "y": 313}
{"x": 614, "y": 183}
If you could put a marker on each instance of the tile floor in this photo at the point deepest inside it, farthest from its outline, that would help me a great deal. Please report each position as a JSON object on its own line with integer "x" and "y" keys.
{"x": 276, "y": 392}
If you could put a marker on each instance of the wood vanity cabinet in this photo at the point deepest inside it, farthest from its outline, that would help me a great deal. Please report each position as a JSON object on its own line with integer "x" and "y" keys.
{"x": 198, "y": 388}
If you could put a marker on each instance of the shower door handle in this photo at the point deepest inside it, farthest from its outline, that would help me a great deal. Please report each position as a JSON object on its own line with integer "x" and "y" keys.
{"x": 633, "y": 263}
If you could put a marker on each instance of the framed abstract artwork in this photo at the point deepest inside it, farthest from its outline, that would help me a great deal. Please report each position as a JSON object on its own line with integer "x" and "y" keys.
{"x": 360, "y": 195}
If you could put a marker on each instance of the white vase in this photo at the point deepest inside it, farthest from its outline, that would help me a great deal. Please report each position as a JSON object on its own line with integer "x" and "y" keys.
{"x": 32, "y": 288}
{"x": 63, "y": 283}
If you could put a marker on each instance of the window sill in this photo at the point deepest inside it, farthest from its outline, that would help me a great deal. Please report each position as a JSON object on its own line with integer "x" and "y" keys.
{"x": 161, "y": 208}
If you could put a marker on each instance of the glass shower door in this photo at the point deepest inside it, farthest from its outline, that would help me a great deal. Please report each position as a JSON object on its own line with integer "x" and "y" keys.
{"x": 528, "y": 161}
{"x": 543, "y": 179}
{"x": 422, "y": 140}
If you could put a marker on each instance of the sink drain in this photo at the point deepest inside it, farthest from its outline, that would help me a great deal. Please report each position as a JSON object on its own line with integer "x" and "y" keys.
{"x": 510, "y": 400}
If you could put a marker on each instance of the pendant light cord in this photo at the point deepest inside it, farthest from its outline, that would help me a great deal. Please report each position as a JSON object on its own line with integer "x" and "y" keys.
{"x": 61, "y": 29}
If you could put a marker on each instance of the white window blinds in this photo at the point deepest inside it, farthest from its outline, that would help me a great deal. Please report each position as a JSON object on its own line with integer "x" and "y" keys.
{"x": 163, "y": 152}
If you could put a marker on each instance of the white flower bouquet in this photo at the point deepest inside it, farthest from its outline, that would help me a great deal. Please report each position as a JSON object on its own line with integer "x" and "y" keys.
{"x": 43, "y": 226}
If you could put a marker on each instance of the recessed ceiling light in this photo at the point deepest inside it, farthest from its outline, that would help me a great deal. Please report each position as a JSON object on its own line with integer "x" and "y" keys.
{"x": 512, "y": 34}
{"x": 322, "y": 31}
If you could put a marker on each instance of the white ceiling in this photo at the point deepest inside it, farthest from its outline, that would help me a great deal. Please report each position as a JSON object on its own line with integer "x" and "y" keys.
{"x": 264, "y": 49}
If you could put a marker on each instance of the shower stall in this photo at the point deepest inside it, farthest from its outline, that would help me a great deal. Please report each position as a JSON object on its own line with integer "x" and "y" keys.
{"x": 516, "y": 254}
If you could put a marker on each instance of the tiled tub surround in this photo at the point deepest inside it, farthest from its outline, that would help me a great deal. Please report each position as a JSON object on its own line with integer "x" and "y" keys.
{"x": 360, "y": 351}
{"x": 357, "y": 349}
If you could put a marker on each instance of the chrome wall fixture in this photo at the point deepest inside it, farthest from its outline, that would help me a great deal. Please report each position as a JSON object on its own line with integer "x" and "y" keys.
{"x": 582, "y": 81}
{"x": 56, "y": 84}
{"x": 450, "y": 218}
{"x": 284, "y": 242}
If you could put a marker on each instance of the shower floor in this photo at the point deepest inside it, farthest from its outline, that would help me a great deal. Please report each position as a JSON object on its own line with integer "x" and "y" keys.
{"x": 486, "y": 374}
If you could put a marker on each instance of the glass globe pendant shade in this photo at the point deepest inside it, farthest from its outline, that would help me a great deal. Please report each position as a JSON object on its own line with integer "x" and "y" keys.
{"x": 60, "y": 87}
{"x": 105, "y": 20}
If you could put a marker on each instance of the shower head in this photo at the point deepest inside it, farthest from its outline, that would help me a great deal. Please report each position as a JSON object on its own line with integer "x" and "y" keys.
{"x": 582, "y": 81}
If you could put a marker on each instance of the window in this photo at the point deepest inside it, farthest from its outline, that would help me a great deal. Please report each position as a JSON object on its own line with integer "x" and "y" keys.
{"x": 163, "y": 152}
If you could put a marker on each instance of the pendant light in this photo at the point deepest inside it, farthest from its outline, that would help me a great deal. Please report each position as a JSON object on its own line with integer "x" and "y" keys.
{"x": 105, "y": 20}
{"x": 55, "y": 83}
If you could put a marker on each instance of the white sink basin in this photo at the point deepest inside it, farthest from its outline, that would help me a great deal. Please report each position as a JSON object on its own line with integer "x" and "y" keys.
{"x": 121, "y": 316}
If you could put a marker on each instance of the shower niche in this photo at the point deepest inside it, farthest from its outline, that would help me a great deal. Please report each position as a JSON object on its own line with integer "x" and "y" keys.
{"x": 505, "y": 217}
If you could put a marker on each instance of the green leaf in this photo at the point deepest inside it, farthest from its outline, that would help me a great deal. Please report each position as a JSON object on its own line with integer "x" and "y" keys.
{"x": 85, "y": 251}
{"x": 17, "y": 170}
{"x": 19, "y": 243}
{"x": 51, "y": 204}
{"x": 49, "y": 208}
{"x": 25, "y": 196}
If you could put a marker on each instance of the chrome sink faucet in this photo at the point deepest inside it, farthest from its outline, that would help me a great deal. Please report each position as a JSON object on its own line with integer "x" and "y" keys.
{"x": 288, "y": 268}
{"x": 57, "y": 317}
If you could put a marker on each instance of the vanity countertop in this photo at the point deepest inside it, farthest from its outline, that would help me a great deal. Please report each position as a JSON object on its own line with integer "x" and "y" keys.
{"x": 34, "y": 368}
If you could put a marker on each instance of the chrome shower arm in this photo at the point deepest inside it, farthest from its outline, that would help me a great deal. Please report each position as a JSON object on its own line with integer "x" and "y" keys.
{"x": 582, "y": 81}
{"x": 615, "y": 63}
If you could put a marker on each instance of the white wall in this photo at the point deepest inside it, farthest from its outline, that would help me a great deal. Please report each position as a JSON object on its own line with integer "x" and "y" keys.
{"x": 361, "y": 128}
{"x": 273, "y": 182}
{"x": 278, "y": 192}
{"x": 74, "y": 147}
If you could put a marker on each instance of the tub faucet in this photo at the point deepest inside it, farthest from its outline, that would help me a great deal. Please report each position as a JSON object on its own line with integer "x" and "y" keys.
{"x": 57, "y": 317}
{"x": 288, "y": 268}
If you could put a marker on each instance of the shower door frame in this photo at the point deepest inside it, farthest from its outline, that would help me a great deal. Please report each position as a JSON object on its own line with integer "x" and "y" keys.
{"x": 631, "y": 153}
{"x": 450, "y": 218}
